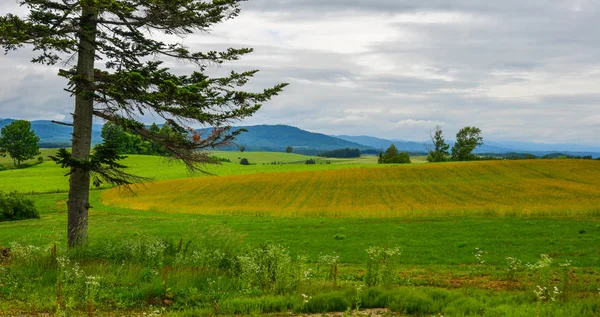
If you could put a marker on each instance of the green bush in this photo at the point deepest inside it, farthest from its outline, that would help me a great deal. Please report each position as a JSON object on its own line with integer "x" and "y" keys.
{"x": 2, "y": 167}
{"x": 244, "y": 161}
{"x": 15, "y": 206}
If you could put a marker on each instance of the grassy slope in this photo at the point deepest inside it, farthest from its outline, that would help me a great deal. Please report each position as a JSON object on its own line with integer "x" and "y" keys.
{"x": 7, "y": 161}
{"x": 291, "y": 158}
{"x": 542, "y": 187}
{"x": 49, "y": 177}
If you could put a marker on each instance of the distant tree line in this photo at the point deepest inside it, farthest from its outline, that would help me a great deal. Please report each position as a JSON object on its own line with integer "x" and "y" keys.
{"x": 220, "y": 159}
{"x": 341, "y": 153}
{"x": 126, "y": 142}
{"x": 527, "y": 156}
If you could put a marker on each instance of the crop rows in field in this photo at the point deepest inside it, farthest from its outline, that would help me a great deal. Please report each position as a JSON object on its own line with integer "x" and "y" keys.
{"x": 493, "y": 188}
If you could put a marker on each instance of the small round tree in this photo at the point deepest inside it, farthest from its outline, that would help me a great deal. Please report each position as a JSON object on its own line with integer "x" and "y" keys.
{"x": 19, "y": 142}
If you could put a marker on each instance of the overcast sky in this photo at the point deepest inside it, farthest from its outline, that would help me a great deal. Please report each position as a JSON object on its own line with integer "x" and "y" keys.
{"x": 519, "y": 70}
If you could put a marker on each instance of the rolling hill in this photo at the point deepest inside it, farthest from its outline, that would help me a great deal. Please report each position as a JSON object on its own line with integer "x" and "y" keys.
{"x": 491, "y": 188}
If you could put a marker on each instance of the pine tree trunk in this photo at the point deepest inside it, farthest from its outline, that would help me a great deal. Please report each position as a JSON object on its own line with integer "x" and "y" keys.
{"x": 79, "y": 182}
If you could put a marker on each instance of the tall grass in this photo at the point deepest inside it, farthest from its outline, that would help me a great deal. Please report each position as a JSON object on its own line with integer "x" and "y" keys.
{"x": 212, "y": 273}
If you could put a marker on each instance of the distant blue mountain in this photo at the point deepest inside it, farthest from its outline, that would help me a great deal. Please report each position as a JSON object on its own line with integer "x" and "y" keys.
{"x": 412, "y": 146}
{"x": 544, "y": 147}
{"x": 278, "y": 137}
{"x": 489, "y": 147}
{"x": 52, "y": 134}
{"x": 379, "y": 143}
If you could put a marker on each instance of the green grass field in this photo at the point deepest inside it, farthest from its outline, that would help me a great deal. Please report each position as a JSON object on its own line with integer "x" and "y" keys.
{"x": 437, "y": 273}
{"x": 8, "y": 163}
{"x": 49, "y": 177}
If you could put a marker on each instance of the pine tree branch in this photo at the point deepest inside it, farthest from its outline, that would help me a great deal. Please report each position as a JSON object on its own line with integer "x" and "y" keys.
{"x": 62, "y": 123}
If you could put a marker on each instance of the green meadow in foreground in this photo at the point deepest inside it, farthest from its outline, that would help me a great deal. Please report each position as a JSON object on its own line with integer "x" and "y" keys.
{"x": 189, "y": 265}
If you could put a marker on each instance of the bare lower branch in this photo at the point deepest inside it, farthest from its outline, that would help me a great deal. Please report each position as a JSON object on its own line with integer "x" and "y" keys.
{"x": 62, "y": 123}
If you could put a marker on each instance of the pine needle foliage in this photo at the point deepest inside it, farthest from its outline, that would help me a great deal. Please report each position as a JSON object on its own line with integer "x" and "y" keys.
{"x": 132, "y": 82}
{"x": 114, "y": 52}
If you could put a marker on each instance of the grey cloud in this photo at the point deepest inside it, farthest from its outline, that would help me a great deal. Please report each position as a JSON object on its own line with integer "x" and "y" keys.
{"x": 525, "y": 70}
{"x": 389, "y": 6}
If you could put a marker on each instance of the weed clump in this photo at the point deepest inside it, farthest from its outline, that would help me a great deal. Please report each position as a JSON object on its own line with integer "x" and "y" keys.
{"x": 381, "y": 265}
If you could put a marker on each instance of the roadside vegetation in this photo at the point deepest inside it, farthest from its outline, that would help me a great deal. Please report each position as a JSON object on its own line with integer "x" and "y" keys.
{"x": 234, "y": 265}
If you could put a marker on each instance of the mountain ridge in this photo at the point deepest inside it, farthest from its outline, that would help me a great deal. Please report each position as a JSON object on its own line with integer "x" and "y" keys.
{"x": 489, "y": 147}
{"x": 278, "y": 137}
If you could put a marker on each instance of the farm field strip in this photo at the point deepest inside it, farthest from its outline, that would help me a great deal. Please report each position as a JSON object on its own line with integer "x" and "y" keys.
{"x": 493, "y": 188}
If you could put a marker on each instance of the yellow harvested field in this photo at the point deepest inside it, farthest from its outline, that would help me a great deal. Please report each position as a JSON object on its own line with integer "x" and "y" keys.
{"x": 566, "y": 188}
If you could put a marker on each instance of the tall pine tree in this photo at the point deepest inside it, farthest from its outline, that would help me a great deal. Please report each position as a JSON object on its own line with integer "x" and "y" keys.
{"x": 131, "y": 79}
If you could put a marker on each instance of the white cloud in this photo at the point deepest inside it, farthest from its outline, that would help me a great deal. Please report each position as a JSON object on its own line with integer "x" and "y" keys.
{"x": 410, "y": 123}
